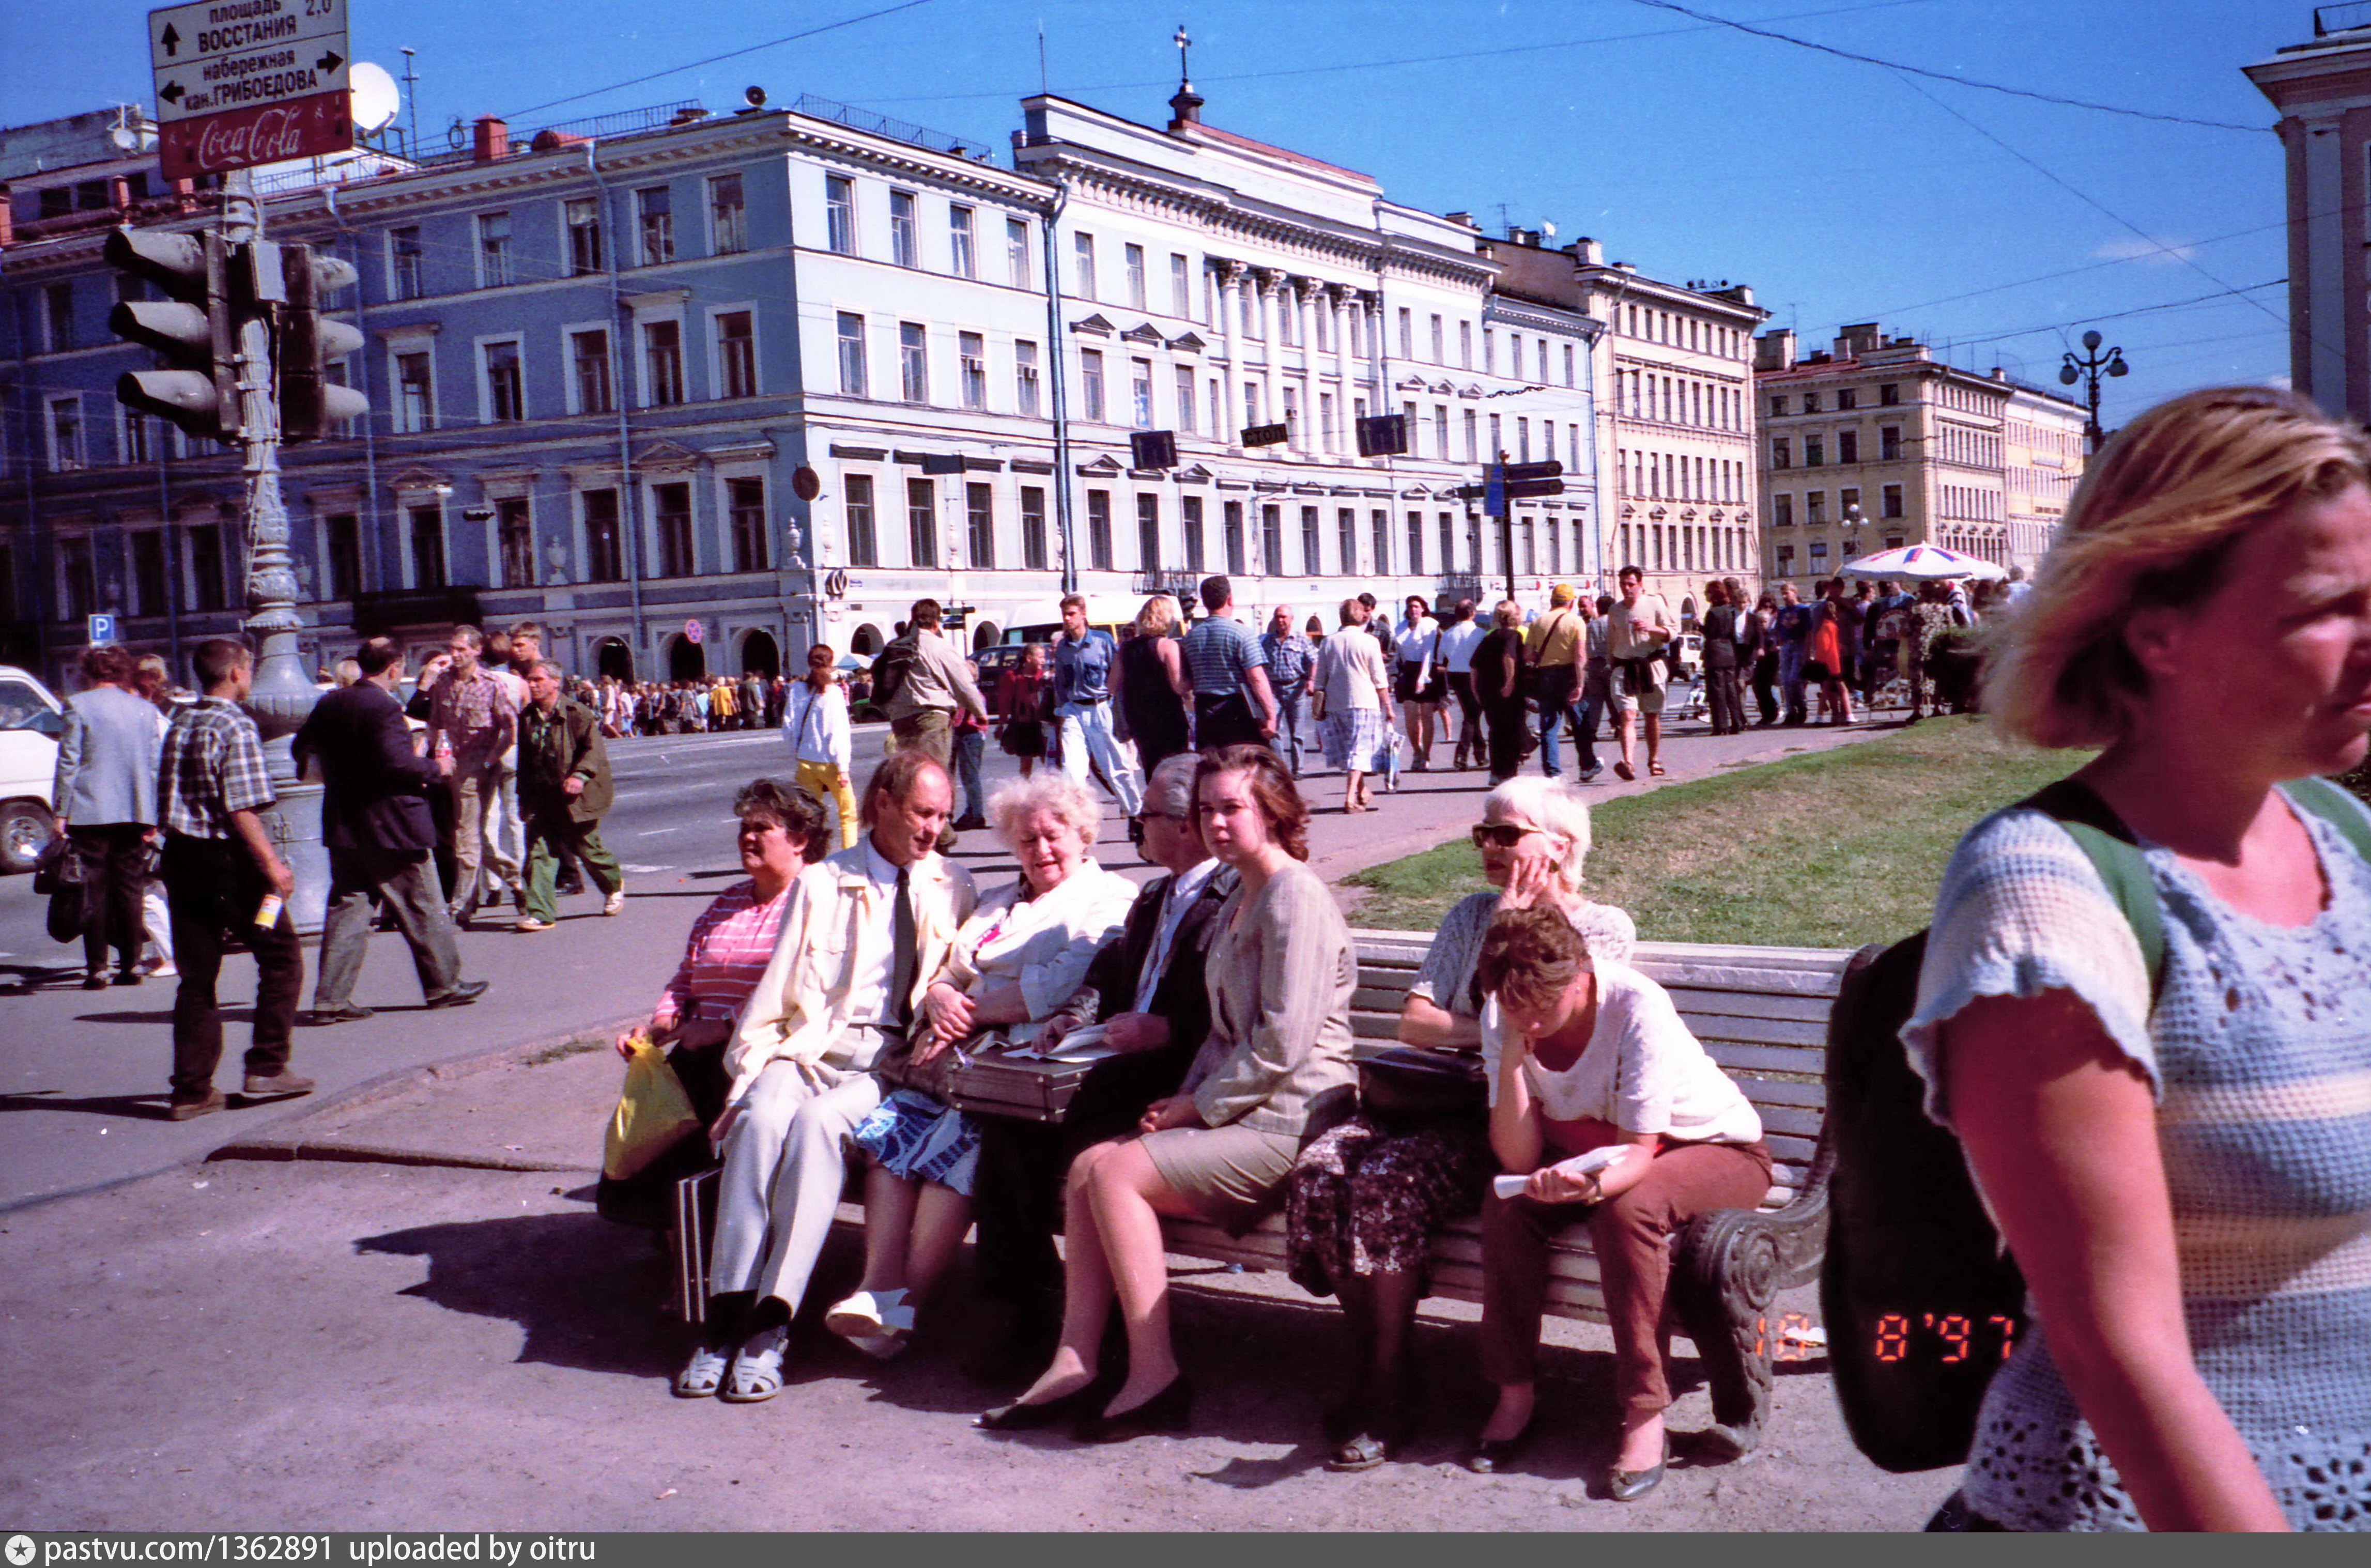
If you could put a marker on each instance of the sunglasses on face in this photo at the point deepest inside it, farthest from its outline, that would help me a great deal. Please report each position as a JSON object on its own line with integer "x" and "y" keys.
{"x": 1502, "y": 834}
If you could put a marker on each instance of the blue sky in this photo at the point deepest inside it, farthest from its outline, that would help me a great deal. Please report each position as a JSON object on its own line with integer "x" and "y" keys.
{"x": 1997, "y": 227}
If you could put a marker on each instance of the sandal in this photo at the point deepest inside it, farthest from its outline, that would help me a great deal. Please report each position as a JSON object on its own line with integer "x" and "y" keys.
{"x": 871, "y": 1314}
{"x": 1656, "y": 768}
{"x": 704, "y": 1374}
{"x": 758, "y": 1370}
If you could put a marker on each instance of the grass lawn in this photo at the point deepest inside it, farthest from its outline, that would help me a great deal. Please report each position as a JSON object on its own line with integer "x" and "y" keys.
{"x": 1829, "y": 850}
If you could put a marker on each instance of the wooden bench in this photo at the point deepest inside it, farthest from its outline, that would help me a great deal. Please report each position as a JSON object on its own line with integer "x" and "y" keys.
{"x": 1762, "y": 1012}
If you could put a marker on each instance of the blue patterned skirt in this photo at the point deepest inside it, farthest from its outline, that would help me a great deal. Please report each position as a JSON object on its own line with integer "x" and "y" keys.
{"x": 1356, "y": 739}
{"x": 920, "y": 1138}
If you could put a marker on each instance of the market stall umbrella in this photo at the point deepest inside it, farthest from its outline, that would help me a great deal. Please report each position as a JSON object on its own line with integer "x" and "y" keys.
{"x": 1922, "y": 563}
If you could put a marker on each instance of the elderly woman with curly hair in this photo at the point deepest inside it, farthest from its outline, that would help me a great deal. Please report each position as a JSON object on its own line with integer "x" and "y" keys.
{"x": 2178, "y": 1155}
{"x": 1015, "y": 962}
{"x": 1365, "y": 1198}
{"x": 1274, "y": 1069}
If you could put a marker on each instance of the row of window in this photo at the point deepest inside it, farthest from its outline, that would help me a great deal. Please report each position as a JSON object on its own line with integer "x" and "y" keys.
{"x": 1679, "y": 399}
{"x": 743, "y": 543}
{"x": 1847, "y": 449}
{"x": 966, "y": 230}
{"x": 1888, "y": 394}
{"x": 499, "y": 261}
{"x": 1819, "y": 554}
{"x": 159, "y": 577}
{"x": 1649, "y": 476}
{"x": 590, "y": 385}
{"x": 1682, "y": 331}
{"x": 1685, "y": 546}
{"x": 1543, "y": 355}
{"x": 1815, "y": 506}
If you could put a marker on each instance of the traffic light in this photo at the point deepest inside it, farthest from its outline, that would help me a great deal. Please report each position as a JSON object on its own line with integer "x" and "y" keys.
{"x": 195, "y": 328}
{"x": 307, "y": 343}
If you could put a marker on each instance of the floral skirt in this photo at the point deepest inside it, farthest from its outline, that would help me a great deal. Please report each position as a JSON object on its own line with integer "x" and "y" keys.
{"x": 1364, "y": 1201}
{"x": 1354, "y": 740}
{"x": 922, "y": 1138}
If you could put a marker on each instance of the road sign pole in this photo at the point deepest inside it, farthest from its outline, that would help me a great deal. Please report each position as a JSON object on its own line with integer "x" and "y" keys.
{"x": 1504, "y": 510}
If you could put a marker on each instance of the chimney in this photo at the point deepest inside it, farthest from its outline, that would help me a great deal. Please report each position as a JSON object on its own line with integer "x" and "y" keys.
{"x": 1859, "y": 337}
{"x": 493, "y": 140}
{"x": 118, "y": 192}
{"x": 8, "y": 219}
{"x": 1775, "y": 350}
{"x": 1587, "y": 252}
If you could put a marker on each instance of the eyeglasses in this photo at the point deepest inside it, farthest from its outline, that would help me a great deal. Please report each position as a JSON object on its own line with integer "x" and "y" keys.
{"x": 1502, "y": 834}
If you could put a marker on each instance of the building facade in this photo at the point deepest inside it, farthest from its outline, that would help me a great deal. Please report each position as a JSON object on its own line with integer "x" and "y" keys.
{"x": 2322, "y": 90}
{"x": 696, "y": 391}
{"x": 1875, "y": 444}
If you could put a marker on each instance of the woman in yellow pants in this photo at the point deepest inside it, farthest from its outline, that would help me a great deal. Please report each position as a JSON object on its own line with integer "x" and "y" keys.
{"x": 815, "y": 726}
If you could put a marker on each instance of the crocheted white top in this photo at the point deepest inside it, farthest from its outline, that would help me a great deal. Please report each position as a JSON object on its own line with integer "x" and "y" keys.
{"x": 2259, "y": 1053}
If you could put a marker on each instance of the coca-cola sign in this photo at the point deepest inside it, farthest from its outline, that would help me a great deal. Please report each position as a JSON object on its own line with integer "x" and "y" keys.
{"x": 242, "y": 138}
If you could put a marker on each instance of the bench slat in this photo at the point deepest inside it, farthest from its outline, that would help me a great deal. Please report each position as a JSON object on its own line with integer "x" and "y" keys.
{"x": 1793, "y": 1121}
{"x": 1736, "y": 1057}
{"x": 1709, "y": 1027}
{"x": 1746, "y": 982}
{"x": 1759, "y": 1004}
{"x": 1811, "y": 1096}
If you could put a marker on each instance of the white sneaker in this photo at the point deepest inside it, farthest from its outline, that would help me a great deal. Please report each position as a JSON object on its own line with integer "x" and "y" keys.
{"x": 871, "y": 1315}
{"x": 615, "y": 903}
{"x": 529, "y": 923}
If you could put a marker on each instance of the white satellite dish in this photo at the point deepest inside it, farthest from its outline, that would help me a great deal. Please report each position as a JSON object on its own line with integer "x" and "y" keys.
{"x": 374, "y": 97}
{"x": 1548, "y": 229}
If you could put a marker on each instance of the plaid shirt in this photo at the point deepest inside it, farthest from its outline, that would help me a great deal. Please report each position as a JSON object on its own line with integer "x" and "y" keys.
{"x": 731, "y": 944}
{"x": 477, "y": 714}
{"x": 213, "y": 765}
{"x": 1288, "y": 659}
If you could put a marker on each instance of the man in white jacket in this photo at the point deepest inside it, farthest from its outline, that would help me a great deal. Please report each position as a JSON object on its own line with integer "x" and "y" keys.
{"x": 863, "y": 934}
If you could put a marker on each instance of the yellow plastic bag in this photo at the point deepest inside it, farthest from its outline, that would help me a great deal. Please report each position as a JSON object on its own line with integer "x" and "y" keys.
{"x": 653, "y": 1114}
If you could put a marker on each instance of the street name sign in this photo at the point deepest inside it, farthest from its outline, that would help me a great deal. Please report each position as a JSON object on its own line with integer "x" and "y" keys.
{"x": 247, "y": 82}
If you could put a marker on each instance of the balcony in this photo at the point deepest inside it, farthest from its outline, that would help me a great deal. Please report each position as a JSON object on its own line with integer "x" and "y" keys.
{"x": 1176, "y": 581}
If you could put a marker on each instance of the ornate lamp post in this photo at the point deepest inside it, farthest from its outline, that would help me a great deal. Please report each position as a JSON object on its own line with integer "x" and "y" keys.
{"x": 2089, "y": 368}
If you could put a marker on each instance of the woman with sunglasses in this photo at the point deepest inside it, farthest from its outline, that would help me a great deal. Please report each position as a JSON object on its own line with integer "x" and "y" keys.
{"x": 1365, "y": 1198}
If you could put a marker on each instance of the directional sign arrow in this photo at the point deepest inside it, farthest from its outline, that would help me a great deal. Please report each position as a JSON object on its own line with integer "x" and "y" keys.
{"x": 172, "y": 40}
{"x": 171, "y": 92}
{"x": 327, "y": 64}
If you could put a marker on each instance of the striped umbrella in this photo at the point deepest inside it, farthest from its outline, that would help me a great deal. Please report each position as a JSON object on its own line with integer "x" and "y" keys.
{"x": 1921, "y": 563}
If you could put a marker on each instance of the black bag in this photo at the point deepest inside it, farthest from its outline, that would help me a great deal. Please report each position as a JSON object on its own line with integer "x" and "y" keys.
{"x": 892, "y": 668}
{"x": 57, "y": 874}
{"x": 1922, "y": 1301}
{"x": 1406, "y": 1088}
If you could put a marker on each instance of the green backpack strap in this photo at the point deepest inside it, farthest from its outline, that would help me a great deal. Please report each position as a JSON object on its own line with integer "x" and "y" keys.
{"x": 2109, "y": 844}
{"x": 2332, "y": 804}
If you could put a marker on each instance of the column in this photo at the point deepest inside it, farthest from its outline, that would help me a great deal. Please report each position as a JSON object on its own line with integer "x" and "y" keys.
{"x": 1229, "y": 274}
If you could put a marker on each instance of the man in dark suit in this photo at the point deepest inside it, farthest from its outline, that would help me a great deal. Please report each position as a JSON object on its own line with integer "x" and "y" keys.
{"x": 379, "y": 829}
{"x": 1145, "y": 988}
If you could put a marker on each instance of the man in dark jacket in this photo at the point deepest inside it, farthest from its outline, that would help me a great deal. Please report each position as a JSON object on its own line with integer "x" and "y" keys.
{"x": 378, "y": 828}
{"x": 564, "y": 791}
{"x": 1145, "y": 988}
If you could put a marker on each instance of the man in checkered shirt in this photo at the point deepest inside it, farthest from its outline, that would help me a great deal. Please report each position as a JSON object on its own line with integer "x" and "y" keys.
{"x": 218, "y": 866}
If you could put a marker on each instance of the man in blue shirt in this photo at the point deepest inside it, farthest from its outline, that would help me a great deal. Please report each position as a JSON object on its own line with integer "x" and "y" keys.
{"x": 1291, "y": 663}
{"x": 1084, "y": 658}
{"x": 1229, "y": 676}
{"x": 1793, "y": 629}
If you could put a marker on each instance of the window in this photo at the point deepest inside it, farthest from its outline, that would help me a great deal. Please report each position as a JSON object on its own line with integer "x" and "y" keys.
{"x": 864, "y": 548}
{"x": 1819, "y": 555}
{"x": 404, "y": 261}
{"x": 1408, "y": 333}
{"x": 1147, "y": 532}
{"x": 1379, "y": 525}
{"x": 1416, "y": 543}
{"x": 1448, "y": 522}
{"x": 1133, "y": 257}
{"x": 1568, "y": 369}
{"x": 1542, "y": 358}
{"x": 960, "y": 259}
{"x": 57, "y": 313}
{"x": 343, "y": 540}
{"x": 428, "y": 547}
{"x": 605, "y": 556}
{"x": 671, "y": 516}
{"x": 1473, "y": 440}
{"x": 745, "y": 505}
{"x": 663, "y": 360}
{"x": 1180, "y": 289}
{"x": 1847, "y": 501}
{"x": 138, "y": 444}
{"x": 1815, "y": 508}
{"x": 493, "y": 250}
{"x": 505, "y": 396}
{"x": 590, "y": 354}
{"x": 1439, "y": 342}
{"x": 1091, "y": 384}
{"x": 1231, "y": 526}
{"x": 1292, "y": 415}
{"x": 851, "y": 354}
{"x": 1465, "y": 344}
{"x": 1847, "y": 446}
{"x": 513, "y": 537}
{"x": 1251, "y": 403}
{"x": 1035, "y": 529}
{"x": 913, "y": 364}
{"x": 654, "y": 210}
{"x": 1490, "y": 350}
{"x": 205, "y": 556}
{"x": 1847, "y": 398}
{"x": 1024, "y": 377}
{"x": 1814, "y": 452}
{"x": 1327, "y": 432}
{"x": 1810, "y": 402}
{"x": 78, "y": 577}
{"x": 1346, "y": 538}
{"x": 1893, "y": 541}
{"x": 1288, "y": 318}
{"x": 1441, "y": 431}
{"x": 905, "y": 246}
{"x": 1016, "y": 252}
{"x": 736, "y": 354}
{"x": 979, "y": 518}
{"x": 1779, "y": 458}
{"x": 415, "y": 393}
{"x": 1082, "y": 249}
{"x": 1889, "y": 443}
{"x": 1782, "y": 512}
{"x": 922, "y": 521}
{"x": 1189, "y": 523}
{"x": 971, "y": 351}
{"x": 727, "y": 218}
{"x": 1272, "y": 540}
{"x": 1889, "y": 503}
{"x": 840, "y": 213}
{"x": 584, "y": 217}
{"x": 1888, "y": 393}
{"x": 1218, "y": 407}
{"x": 1099, "y": 537}
{"x": 1186, "y": 398}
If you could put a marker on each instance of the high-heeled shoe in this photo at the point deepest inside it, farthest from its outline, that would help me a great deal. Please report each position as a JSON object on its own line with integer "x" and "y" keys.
{"x": 1170, "y": 1411}
{"x": 1628, "y": 1486}
{"x": 1018, "y": 1417}
{"x": 1489, "y": 1455}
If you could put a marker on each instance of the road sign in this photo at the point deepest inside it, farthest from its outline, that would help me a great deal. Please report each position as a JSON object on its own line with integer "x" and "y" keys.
{"x": 1266, "y": 434}
{"x": 1153, "y": 449}
{"x": 247, "y": 82}
{"x": 691, "y": 633}
{"x": 102, "y": 630}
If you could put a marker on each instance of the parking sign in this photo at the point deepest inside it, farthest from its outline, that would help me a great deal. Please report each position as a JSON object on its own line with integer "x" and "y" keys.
{"x": 102, "y": 629}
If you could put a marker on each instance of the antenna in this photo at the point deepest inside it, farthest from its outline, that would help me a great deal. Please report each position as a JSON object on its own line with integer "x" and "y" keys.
{"x": 1042, "y": 87}
{"x": 412, "y": 97}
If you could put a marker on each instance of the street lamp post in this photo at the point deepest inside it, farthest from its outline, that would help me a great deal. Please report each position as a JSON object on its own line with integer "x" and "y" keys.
{"x": 2088, "y": 369}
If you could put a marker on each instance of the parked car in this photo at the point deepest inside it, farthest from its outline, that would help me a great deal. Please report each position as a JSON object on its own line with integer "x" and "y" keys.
{"x": 31, "y": 719}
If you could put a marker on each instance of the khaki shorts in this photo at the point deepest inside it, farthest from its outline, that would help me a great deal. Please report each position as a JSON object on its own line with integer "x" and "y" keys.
{"x": 1227, "y": 1175}
{"x": 1638, "y": 686}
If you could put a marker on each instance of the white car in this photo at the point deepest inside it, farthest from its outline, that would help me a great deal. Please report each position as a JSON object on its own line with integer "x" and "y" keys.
{"x": 31, "y": 719}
